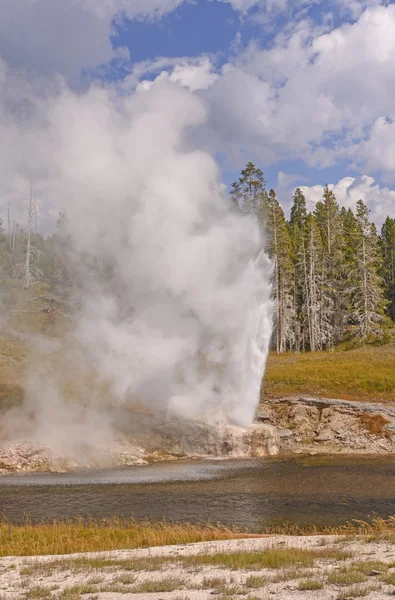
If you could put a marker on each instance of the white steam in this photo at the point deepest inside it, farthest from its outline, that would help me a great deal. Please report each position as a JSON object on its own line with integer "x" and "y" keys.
{"x": 183, "y": 321}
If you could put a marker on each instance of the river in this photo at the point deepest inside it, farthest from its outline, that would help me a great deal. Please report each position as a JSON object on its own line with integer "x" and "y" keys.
{"x": 249, "y": 494}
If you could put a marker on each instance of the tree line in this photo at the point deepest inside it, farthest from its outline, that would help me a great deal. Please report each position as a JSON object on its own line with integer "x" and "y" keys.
{"x": 334, "y": 274}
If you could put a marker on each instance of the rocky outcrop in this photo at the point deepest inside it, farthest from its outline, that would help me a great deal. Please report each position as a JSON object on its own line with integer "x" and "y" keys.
{"x": 155, "y": 441}
{"x": 317, "y": 425}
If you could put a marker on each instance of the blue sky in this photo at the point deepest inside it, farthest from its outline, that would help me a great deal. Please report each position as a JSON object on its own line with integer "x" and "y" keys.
{"x": 304, "y": 88}
{"x": 193, "y": 29}
{"x": 212, "y": 28}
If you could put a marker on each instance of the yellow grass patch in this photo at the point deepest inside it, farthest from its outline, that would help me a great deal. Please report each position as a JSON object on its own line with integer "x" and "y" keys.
{"x": 363, "y": 374}
{"x": 112, "y": 534}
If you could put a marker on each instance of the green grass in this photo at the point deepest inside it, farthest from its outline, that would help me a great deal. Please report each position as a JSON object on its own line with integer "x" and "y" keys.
{"x": 363, "y": 374}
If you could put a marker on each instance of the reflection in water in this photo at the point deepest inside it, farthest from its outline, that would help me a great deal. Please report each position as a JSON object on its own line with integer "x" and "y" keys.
{"x": 248, "y": 494}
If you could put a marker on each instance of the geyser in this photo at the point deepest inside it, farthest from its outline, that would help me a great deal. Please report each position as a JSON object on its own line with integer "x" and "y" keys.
{"x": 182, "y": 318}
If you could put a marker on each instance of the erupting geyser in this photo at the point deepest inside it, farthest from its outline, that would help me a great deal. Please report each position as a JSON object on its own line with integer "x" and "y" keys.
{"x": 184, "y": 322}
{"x": 181, "y": 321}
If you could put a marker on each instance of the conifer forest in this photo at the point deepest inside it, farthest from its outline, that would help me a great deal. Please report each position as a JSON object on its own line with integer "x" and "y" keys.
{"x": 333, "y": 272}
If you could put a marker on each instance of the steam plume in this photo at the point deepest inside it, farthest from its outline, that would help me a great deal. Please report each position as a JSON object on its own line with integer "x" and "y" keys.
{"x": 183, "y": 320}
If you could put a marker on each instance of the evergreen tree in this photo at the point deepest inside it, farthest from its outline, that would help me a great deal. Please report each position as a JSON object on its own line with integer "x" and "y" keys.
{"x": 279, "y": 247}
{"x": 297, "y": 228}
{"x": 350, "y": 232}
{"x": 333, "y": 309}
{"x": 310, "y": 267}
{"x": 249, "y": 193}
{"x": 387, "y": 243}
{"x": 299, "y": 210}
{"x": 368, "y": 301}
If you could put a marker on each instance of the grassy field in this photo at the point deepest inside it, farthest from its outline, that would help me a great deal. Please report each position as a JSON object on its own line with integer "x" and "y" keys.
{"x": 363, "y": 374}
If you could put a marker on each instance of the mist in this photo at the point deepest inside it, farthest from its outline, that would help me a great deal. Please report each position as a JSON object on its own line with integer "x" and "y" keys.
{"x": 183, "y": 320}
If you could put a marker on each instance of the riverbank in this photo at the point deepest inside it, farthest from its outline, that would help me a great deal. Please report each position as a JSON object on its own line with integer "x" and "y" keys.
{"x": 290, "y": 425}
{"x": 328, "y": 426}
{"x": 286, "y": 567}
{"x": 140, "y": 439}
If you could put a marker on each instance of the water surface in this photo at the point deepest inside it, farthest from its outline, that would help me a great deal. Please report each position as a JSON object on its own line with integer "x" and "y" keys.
{"x": 249, "y": 494}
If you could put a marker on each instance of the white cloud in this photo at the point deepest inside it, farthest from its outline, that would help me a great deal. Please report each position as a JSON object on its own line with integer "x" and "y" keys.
{"x": 66, "y": 36}
{"x": 380, "y": 200}
{"x": 193, "y": 74}
{"x": 354, "y": 8}
{"x": 312, "y": 96}
{"x": 378, "y": 151}
{"x": 242, "y": 5}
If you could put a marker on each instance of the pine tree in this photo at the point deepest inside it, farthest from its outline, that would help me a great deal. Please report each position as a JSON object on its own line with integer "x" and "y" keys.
{"x": 299, "y": 210}
{"x": 368, "y": 301}
{"x": 297, "y": 229}
{"x": 249, "y": 193}
{"x": 387, "y": 243}
{"x": 279, "y": 248}
{"x": 350, "y": 231}
{"x": 333, "y": 309}
{"x": 310, "y": 267}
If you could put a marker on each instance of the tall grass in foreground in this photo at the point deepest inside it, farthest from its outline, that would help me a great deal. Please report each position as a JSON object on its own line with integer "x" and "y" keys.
{"x": 68, "y": 537}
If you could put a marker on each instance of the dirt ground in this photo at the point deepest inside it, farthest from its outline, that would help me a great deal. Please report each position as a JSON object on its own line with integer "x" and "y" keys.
{"x": 286, "y": 568}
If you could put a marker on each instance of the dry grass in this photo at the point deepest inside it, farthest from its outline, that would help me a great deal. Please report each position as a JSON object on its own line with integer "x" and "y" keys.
{"x": 82, "y": 565}
{"x": 112, "y": 534}
{"x": 362, "y": 374}
{"x": 310, "y": 585}
{"x": 269, "y": 558}
{"x": 374, "y": 424}
{"x": 74, "y": 592}
{"x": 388, "y": 578}
{"x": 256, "y": 581}
{"x": 367, "y": 567}
{"x": 358, "y": 591}
{"x": 212, "y": 583}
{"x": 375, "y": 529}
{"x": 38, "y": 592}
{"x": 346, "y": 577}
{"x": 168, "y": 584}
{"x": 293, "y": 574}
{"x": 115, "y": 534}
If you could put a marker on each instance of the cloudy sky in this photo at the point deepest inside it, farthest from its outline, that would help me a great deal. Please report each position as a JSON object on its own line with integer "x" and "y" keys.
{"x": 304, "y": 88}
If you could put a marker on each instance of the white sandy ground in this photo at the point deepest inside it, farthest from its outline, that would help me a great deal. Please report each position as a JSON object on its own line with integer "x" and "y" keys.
{"x": 15, "y": 584}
